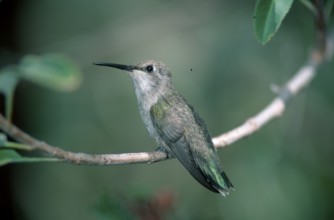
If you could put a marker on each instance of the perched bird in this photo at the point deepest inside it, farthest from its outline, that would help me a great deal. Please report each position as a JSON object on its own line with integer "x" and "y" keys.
{"x": 174, "y": 124}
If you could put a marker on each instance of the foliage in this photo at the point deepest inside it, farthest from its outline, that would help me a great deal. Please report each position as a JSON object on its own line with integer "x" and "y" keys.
{"x": 54, "y": 71}
{"x": 268, "y": 17}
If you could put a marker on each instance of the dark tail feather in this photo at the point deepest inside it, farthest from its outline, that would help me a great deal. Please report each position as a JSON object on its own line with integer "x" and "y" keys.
{"x": 227, "y": 181}
{"x": 224, "y": 188}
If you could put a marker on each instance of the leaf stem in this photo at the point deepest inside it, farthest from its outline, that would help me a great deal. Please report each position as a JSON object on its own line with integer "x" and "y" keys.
{"x": 18, "y": 146}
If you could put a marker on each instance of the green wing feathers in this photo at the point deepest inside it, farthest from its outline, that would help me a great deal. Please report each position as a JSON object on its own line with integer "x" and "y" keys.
{"x": 196, "y": 152}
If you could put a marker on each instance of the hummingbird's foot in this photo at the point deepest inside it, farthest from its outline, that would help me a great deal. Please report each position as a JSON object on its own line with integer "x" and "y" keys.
{"x": 160, "y": 150}
{"x": 166, "y": 151}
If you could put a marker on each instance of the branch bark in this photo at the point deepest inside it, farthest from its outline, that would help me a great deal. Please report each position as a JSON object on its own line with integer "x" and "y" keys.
{"x": 273, "y": 110}
{"x": 323, "y": 51}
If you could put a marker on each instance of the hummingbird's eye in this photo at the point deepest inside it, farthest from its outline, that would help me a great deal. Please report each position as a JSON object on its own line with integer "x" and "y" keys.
{"x": 149, "y": 68}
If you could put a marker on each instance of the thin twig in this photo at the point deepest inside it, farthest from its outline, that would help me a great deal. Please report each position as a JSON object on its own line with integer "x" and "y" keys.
{"x": 275, "y": 109}
{"x": 78, "y": 158}
{"x": 323, "y": 52}
{"x": 320, "y": 24}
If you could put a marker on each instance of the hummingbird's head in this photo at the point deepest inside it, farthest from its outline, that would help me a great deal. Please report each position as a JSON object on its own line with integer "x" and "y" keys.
{"x": 149, "y": 77}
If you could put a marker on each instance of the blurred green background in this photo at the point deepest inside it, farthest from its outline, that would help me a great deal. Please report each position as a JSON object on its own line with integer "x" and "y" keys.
{"x": 284, "y": 171}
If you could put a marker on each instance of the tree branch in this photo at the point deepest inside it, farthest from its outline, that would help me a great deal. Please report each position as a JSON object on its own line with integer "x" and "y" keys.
{"x": 79, "y": 158}
{"x": 324, "y": 47}
{"x": 275, "y": 109}
{"x": 320, "y": 24}
{"x": 323, "y": 51}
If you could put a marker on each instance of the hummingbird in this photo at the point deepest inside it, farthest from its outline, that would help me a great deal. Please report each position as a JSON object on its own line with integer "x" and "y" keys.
{"x": 174, "y": 124}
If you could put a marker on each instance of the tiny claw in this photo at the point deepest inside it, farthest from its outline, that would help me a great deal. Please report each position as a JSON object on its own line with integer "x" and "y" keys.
{"x": 166, "y": 151}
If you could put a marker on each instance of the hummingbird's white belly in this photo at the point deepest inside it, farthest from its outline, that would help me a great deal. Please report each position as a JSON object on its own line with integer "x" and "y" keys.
{"x": 145, "y": 104}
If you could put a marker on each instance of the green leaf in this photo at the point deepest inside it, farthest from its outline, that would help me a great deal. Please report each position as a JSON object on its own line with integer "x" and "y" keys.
{"x": 53, "y": 71}
{"x": 8, "y": 81}
{"x": 268, "y": 17}
{"x": 3, "y": 139}
{"x": 11, "y": 156}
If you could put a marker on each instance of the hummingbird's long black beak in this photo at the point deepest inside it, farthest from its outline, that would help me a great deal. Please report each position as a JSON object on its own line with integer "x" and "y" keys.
{"x": 117, "y": 66}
